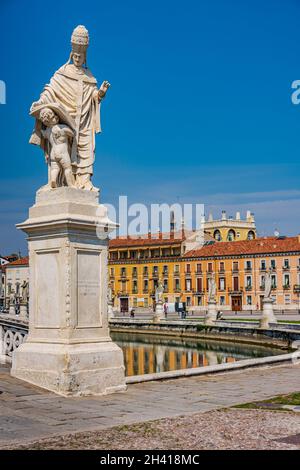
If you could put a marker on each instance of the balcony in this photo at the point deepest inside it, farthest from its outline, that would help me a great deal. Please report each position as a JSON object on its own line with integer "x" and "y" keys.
{"x": 286, "y": 267}
{"x": 177, "y": 289}
{"x": 165, "y": 273}
{"x": 123, "y": 294}
{"x": 235, "y": 270}
{"x": 263, "y": 269}
{"x": 248, "y": 269}
{"x": 297, "y": 288}
{"x": 134, "y": 274}
{"x": 286, "y": 287}
{"x": 221, "y": 271}
{"x": 155, "y": 275}
{"x": 135, "y": 291}
{"x": 145, "y": 273}
{"x": 199, "y": 292}
{"x": 248, "y": 288}
{"x": 237, "y": 291}
{"x": 188, "y": 273}
{"x": 145, "y": 291}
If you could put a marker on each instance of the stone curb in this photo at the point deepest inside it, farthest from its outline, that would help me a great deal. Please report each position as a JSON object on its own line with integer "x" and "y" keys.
{"x": 244, "y": 364}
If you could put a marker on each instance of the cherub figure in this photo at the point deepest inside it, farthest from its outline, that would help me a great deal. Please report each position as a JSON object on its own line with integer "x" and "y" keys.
{"x": 59, "y": 136}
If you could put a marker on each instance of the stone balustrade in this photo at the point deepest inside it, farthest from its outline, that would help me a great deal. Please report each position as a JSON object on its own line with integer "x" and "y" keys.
{"x": 13, "y": 332}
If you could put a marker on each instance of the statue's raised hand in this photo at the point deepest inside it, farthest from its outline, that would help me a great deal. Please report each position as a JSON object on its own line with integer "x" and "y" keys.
{"x": 103, "y": 89}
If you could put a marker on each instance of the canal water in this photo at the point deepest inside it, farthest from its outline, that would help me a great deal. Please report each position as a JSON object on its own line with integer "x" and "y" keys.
{"x": 146, "y": 354}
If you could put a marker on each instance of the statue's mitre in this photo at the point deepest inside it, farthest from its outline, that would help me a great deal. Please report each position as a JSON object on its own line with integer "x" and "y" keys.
{"x": 80, "y": 37}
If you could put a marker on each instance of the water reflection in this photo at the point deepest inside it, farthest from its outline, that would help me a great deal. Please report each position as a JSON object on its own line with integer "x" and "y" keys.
{"x": 147, "y": 354}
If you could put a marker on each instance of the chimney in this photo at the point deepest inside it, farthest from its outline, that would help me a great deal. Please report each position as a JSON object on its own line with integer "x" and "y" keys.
{"x": 210, "y": 217}
{"x": 248, "y": 216}
{"x": 238, "y": 216}
{"x": 252, "y": 217}
{"x": 223, "y": 215}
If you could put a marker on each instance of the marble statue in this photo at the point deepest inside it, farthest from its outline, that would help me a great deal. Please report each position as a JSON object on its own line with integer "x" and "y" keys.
{"x": 212, "y": 289}
{"x": 268, "y": 285}
{"x": 74, "y": 90}
{"x": 25, "y": 291}
{"x": 12, "y": 298}
{"x": 159, "y": 292}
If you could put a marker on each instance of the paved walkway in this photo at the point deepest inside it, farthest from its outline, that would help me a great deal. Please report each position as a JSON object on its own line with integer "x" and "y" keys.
{"x": 28, "y": 413}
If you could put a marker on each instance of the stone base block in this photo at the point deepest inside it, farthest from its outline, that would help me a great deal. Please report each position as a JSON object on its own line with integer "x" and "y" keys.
{"x": 211, "y": 316}
{"x": 71, "y": 369}
{"x": 267, "y": 314}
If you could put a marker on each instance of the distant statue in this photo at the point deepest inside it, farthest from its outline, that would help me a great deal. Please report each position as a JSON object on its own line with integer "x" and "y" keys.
{"x": 25, "y": 291}
{"x": 212, "y": 289}
{"x": 74, "y": 89}
{"x": 268, "y": 285}
{"x": 159, "y": 292}
{"x": 12, "y": 298}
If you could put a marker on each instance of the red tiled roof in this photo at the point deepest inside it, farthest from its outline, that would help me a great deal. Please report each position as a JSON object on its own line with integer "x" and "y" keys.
{"x": 143, "y": 240}
{"x": 18, "y": 262}
{"x": 247, "y": 247}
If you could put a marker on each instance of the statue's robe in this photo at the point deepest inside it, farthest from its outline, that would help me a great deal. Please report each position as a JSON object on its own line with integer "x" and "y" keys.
{"x": 76, "y": 90}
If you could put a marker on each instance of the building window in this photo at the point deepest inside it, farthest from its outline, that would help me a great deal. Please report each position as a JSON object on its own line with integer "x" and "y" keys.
{"x": 155, "y": 270}
{"x": 222, "y": 266}
{"x": 263, "y": 264}
{"x": 199, "y": 300}
{"x": 176, "y": 268}
{"x": 217, "y": 235}
{"x": 286, "y": 264}
{"x": 249, "y": 282}
{"x": 273, "y": 281}
{"x": 235, "y": 284}
{"x": 188, "y": 285}
{"x": 273, "y": 263}
{"x": 188, "y": 301}
{"x": 199, "y": 284}
{"x": 146, "y": 302}
{"x": 249, "y": 299}
{"x": 235, "y": 266}
{"x": 222, "y": 283}
{"x": 145, "y": 286}
{"x": 123, "y": 271}
{"x": 134, "y": 272}
{"x": 248, "y": 265}
{"x": 145, "y": 271}
{"x": 231, "y": 236}
{"x": 112, "y": 272}
{"x": 165, "y": 285}
{"x": 177, "y": 285}
{"x": 287, "y": 299}
{"x": 286, "y": 281}
{"x": 222, "y": 300}
{"x": 165, "y": 270}
{"x": 134, "y": 287}
{"x": 251, "y": 235}
{"x": 199, "y": 268}
{"x": 210, "y": 267}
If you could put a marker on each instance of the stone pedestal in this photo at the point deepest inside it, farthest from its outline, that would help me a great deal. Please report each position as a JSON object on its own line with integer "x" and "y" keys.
{"x": 12, "y": 310}
{"x": 211, "y": 316}
{"x": 23, "y": 311}
{"x": 68, "y": 348}
{"x": 159, "y": 311}
{"x": 267, "y": 314}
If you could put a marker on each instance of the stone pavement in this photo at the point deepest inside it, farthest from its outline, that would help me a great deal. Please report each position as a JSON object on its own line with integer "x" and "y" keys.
{"x": 28, "y": 413}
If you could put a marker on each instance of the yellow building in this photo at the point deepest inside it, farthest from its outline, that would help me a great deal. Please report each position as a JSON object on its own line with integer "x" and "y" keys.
{"x": 231, "y": 229}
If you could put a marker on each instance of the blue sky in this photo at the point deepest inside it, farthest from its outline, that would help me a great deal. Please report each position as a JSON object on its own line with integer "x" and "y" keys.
{"x": 199, "y": 109}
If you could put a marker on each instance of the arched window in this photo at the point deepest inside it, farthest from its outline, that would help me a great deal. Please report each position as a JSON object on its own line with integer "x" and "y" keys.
{"x": 251, "y": 235}
{"x": 217, "y": 235}
{"x": 231, "y": 235}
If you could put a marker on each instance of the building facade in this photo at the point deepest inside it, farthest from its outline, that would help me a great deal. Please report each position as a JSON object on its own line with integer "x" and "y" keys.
{"x": 137, "y": 265}
{"x": 16, "y": 273}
